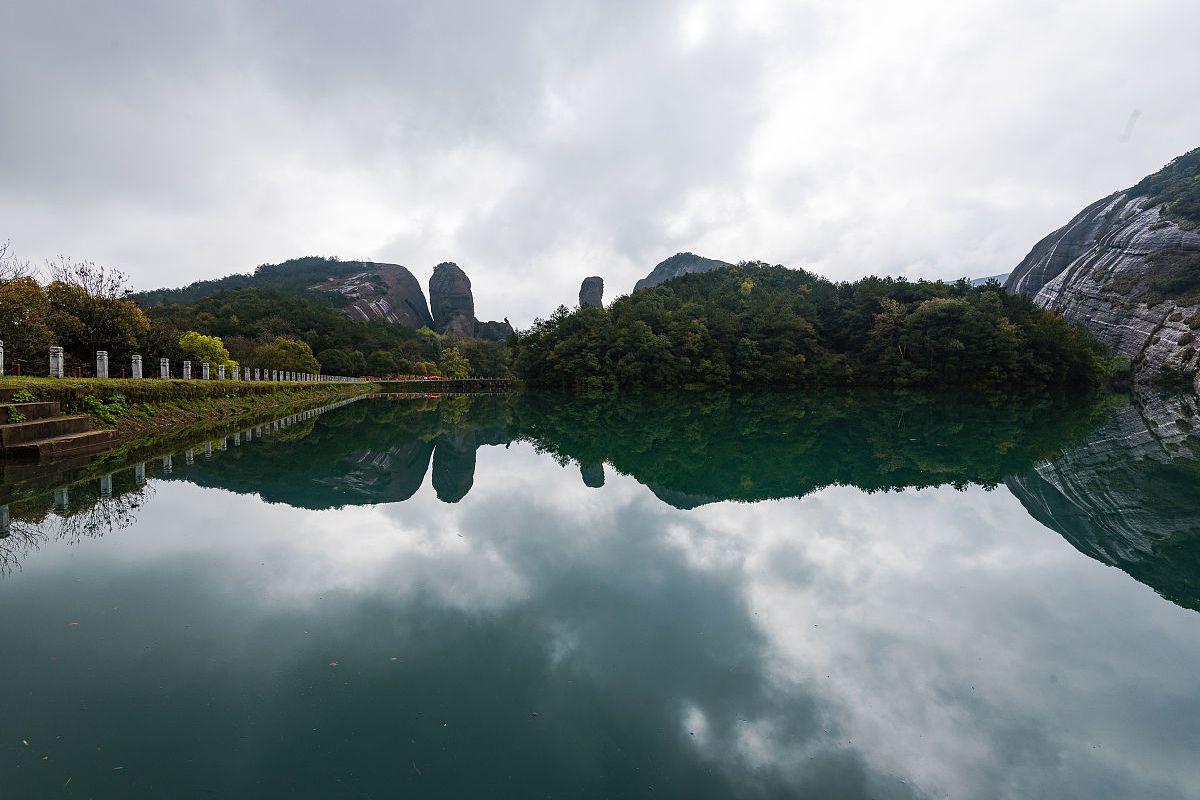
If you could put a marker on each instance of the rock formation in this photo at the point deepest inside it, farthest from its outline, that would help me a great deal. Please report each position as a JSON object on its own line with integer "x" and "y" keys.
{"x": 453, "y": 306}
{"x": 1127, "y": 497}
{"x": 1128, "y": 269}
{"x": 591, "y": 292}
{"x": 676, "y": 265}
{"x": 451, "y": 301}
{"x": 493, "y": 331}
{"x": 382, "y": 291}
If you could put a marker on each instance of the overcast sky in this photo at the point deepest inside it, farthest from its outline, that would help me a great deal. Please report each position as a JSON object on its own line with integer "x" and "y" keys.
{"x": 536, "y": 143}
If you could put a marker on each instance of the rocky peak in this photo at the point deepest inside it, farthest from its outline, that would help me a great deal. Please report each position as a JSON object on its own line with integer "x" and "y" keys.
{"x": 1127, "y": 268}
{"x": 453, "y": 306}
{"x": 676, "y": 265}
{"x": 591, "y": 292}
{"x": 381, "y": 291}
{"x": 451, "y": 301}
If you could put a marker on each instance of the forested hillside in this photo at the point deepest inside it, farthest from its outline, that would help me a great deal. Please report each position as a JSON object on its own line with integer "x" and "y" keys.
{"x": 759, "y": 325}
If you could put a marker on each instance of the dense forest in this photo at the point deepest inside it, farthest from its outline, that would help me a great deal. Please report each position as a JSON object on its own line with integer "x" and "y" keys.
{"x": 761, "y": 325}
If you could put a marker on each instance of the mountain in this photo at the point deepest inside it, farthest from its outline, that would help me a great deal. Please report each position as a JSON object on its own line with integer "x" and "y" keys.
{"x": 676, "y": 265}
{"x": 453, "y": 306}
{"x": 365, "y": 290}
{"x": 1001, "y": 278}
{"x": 591, "y": 292}
{"x": 381, "y": 291}
{"x": 1127, "y": 268}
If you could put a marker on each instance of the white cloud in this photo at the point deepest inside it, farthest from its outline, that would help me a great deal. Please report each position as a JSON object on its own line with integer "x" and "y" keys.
{"x": 536, "y": 143}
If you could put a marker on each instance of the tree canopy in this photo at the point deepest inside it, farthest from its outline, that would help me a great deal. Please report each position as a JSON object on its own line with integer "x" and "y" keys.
{"x": 759, "y": 325}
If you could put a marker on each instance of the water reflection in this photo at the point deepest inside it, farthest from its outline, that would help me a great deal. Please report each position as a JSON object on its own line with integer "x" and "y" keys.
{"x": 549, "y": 618}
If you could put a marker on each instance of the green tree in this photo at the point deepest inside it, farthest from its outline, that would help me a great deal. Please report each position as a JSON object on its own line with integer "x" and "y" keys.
{"x": 203, "y": 348}
{"x": 27, "y": 337}
{"x": 286, "y": 354}
{"x": 381, "y": 363}
{"x": 453, "y": 364}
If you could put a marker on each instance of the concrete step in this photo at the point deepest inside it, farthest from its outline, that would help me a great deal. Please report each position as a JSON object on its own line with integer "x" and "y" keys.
{"x": 28, "y": 411}
{"x": 63, "y": 446}
{"x": 15, "y": 433}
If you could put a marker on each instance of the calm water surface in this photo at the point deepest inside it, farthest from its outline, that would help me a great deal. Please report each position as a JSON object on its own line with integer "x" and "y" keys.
{"x": 520, "y": 597}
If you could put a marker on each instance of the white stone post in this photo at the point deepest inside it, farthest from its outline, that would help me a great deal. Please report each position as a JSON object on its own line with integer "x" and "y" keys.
{"x": 204, "y": 371}
{"x": 275, "y": 375}
{"x": 2, "y": 363}
{"x": 168, "y": 464}
{"x": 189, "y": 456}
{"x": 136, "y": 371}
{"x": 101, "y": 363}
{"x": 164, "y": 368}
{"x": 106, "y": 487}
{"x": 187, "y": 370}
{"x": 233, "y": 371}
{"x": 220, "y": 372}
{"x": 208, "y": 449}
{"x": 56, "y": 362}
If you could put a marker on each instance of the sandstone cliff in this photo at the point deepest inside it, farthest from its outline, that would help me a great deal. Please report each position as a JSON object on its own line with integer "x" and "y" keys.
{"x": 453, "y": 306}
{"x": 451, "y": 301}
{"x": 591, "y": 292}
{"x": 676, "y": 265}
{"x": 382, "y": 291}
{"x": 1128, "y": 269}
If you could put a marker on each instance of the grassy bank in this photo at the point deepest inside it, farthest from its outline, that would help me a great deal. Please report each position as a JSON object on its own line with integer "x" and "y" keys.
{"x": 150, "y": 408}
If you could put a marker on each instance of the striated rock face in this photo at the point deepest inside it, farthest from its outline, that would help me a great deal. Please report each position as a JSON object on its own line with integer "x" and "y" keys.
{"x": 1128, "y": 497}
{"x": 382, "y": 291}
{"x": 676, "y": 265}
{"x": 1107, "y": 269}
{"x": 591, "y": 292}
{"x": 451, "y": 301}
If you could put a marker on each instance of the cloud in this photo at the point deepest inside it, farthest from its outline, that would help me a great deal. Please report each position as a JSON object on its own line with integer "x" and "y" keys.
{"x": 537, "y": 142}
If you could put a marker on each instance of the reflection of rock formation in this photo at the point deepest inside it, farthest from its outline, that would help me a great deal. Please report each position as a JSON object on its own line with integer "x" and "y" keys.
{"x": 396, "y": 473}
{"x": 591, "y": 292}
{"x": 453, "y": 468}
{"x": 1130, "y": 497}
{"x": 592, "y": 474}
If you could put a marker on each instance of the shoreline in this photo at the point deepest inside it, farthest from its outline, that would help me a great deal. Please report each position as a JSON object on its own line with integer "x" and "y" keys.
{"x": 149, "y": 409}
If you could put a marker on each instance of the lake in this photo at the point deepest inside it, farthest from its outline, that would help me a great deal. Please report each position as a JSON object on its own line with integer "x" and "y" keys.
{"x": 754, "y": 596}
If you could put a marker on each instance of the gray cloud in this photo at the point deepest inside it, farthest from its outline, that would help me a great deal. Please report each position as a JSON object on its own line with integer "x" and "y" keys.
{"x": 537, "y": 142}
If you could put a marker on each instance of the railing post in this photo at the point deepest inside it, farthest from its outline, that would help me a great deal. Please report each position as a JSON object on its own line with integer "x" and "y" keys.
{"x": 1, "y": 356}
{"x": 164, "y": 368}
{"x": 56, "y": 362}
{"x": 101, "y": 363}
{"x": 136, "y": 370}
{"x": 220, "y": 372}
{"x": 204, "y": 371}
{"x": 187, "y": 370}
{"x": 234, "y": 371}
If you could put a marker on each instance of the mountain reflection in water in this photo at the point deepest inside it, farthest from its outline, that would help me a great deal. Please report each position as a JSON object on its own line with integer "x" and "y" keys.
{"x": 571, "y": 608}
{"x": 1117, "y": 479}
